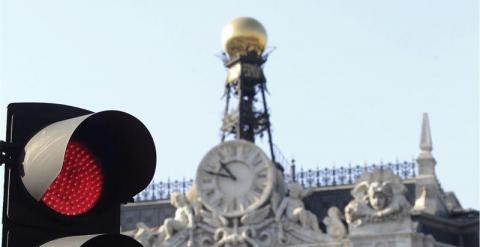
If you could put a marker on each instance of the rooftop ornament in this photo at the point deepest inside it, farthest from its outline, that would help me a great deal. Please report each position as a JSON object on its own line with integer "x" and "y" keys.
{"x": 242, "y": 36}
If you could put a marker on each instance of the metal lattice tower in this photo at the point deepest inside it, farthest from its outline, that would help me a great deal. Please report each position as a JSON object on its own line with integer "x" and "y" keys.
{"x": 246, "y": 112}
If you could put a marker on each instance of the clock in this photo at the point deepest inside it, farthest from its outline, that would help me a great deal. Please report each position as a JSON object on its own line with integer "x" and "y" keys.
{"x": 234, "y": 178}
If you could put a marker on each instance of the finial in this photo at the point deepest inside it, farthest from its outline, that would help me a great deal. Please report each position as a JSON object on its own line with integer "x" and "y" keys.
{"x": 426, "y": 138}
{"x": 243, "y": 35}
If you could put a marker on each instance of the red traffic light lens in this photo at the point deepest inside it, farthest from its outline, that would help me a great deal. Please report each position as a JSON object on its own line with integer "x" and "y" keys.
{"x": 79, "y": 185}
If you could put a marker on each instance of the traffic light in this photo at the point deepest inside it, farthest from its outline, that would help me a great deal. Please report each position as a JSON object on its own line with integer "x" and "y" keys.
{"x": 67, "y": 172}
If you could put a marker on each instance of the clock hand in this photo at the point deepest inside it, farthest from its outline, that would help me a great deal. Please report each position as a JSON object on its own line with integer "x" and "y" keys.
{"x": 224, "y": 166}
{"x": 218, "y": 174}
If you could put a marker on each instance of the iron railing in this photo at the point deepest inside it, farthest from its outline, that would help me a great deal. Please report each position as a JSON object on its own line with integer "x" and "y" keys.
{"x": 328, "y": 177}
{"x": 310, "y": 178}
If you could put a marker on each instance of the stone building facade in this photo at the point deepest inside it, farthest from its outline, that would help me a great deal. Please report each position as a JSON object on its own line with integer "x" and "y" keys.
{"x": 399, "y": 204}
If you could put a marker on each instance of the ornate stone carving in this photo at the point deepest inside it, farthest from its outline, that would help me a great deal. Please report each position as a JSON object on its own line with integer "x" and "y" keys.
{"x": 335, "y": 227}
{"x": 282, "y": 221}
{"x": 144, "y": 235}
{"x": 293, "y": 220}
{"x": 293, "y": 209}
{"x": 377, "y": 197}
{"x": 184, "y": 219}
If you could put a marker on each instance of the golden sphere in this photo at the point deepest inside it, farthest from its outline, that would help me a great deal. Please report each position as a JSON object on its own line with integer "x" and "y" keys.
{"x": 244, "y": 35}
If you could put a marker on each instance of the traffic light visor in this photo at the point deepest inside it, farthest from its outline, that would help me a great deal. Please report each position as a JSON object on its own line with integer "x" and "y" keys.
{"x": 68, "y": 164}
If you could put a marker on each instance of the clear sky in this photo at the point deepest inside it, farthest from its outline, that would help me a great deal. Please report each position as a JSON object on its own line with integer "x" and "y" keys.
{"x": 349, "y": 80}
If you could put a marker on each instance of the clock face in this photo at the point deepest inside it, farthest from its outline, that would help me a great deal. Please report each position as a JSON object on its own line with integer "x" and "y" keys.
{"x": 235, "y": 177}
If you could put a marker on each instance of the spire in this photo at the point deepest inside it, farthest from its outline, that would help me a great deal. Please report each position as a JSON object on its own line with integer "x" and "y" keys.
{"x": 428, "y": 194}
{"x": 425, "y": 159}
{"x": 426, "y": 146}
{"x": 426, "y": 138}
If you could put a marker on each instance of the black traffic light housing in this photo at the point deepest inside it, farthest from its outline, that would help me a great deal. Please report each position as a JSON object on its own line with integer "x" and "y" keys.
{"x": 37, "y": 137}
{"x": 94, "y": 240}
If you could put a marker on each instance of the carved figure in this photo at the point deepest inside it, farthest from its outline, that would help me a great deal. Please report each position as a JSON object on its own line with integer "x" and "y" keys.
{"x": 378, "y": 196}
{"x": 192, "y": 199}
{"x": 184, "y": 218}
{"x": 282, "y": 222}
{"x": 335, "y": 227}
{"x": 294, "y": 209}
{"x": 358, "y": 208}
{"x": 143, "y": 234}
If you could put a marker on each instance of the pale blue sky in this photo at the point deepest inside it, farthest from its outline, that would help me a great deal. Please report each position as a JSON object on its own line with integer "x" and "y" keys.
{"x": 349, "y": 80}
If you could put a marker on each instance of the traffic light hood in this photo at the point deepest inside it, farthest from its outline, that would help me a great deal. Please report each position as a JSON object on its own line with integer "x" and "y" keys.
{"x": 121, "y": 143}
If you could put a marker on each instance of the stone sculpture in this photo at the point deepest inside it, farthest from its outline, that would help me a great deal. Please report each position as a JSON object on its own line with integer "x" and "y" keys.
{"x": 293, "y": 209}
{"x": 335, "y": 227}
{"x": 184, "y": 219}
{"x": 377, "y": 197}
{"x": 379, "y": 208}
{"x": 283, "y": 221}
